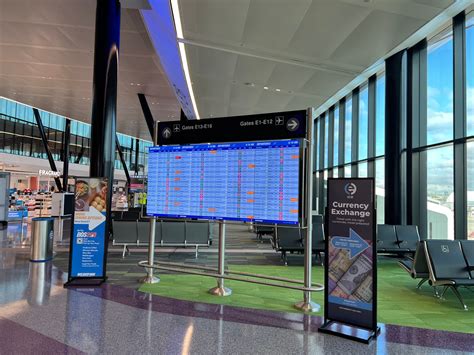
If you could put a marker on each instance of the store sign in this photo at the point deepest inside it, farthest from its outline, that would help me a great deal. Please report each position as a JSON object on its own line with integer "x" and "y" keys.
{"x": 351, "y": 291}
{"x": 50, "y": 173}
{"x": 88, "y": 240}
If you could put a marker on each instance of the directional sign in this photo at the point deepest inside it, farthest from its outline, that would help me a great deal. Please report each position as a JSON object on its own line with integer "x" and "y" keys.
{"x": 166, "y": 133}
{"x": 354, "y": 243}
{"x": 292, "y": 124}
{"x": 269, "y": 126}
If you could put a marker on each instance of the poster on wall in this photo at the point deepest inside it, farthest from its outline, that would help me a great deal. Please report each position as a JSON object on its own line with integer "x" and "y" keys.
{"x": 89, "y": 232}
{"x": 350, "y": 276}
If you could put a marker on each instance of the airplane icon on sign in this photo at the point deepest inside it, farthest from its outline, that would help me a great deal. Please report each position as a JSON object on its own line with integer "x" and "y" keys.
{"x": 279, "y": 120}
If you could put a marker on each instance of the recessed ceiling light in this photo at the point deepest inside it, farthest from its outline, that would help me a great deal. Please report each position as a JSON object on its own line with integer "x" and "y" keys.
{"x": 265, "y": 87}
{"x": 132, "y": 84}
{"x": 277, "y": 90}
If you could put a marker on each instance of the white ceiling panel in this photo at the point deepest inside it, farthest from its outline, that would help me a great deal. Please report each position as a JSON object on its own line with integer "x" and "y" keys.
{"x": 215, "y": 19}
{"x": 289, "y": 77}
{"x": 213, "y": 63}
{"x": 362, "y": 46}
{"x": 324, "y": 84}
{"x": 325, "y": 26}
{"x": 307, "y": 49}
{"x": 243, "y": 96}
{"x": 265, "y": 26}
{"x": 253, "y": 70}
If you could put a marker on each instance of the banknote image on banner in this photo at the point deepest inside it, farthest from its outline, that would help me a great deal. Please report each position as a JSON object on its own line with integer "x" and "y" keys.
{"x": 350, "y": 292}
{"x": 89, "y": 229}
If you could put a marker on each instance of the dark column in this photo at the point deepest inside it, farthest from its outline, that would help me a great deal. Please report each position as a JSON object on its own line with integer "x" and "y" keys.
{"x": 44, "y": 139}
{"x": 394, "y": 115}
{"x": 147, "y": 113}
{"x": 355, "y": 133}
{"x": 137, "y": 155}
{"x": 67, "y": 138}
{"x": 460, "y": 129}
{"x": 104, "y": 104}
{"x": 122, "y": 159}
{"x": 342, "y": 135}
{"x": 331, "y": 141}
{"x": 372, "y": 125}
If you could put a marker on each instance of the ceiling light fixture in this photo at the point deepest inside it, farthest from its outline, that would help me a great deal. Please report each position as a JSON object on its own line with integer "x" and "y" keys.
{"x": 177, "y": 19}
{"x": 277, "y": 90}
{"x": 182, "y": 51}
{"x": 265, "y": 87}
{"x": 188, "y": 77}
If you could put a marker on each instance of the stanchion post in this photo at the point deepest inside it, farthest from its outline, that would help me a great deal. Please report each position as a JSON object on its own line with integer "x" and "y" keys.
{"x": 220, "y": 289}
{"x": 150, "y": 278}
{"x": 307, "y": 305}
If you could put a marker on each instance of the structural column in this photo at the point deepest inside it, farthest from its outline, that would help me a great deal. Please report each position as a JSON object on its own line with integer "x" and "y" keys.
{"x": 66, "y": 140}
{"x": 395, "y": 94}
{"x": 104, "y": 104}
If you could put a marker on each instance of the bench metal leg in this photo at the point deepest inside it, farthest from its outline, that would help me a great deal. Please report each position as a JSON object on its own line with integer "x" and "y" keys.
{"x": 441, "y": 296}
{"x": 421, "y": 283}
{"x": 458, "y": 295}
{"x": 197, "y": 248}
{"x": 124, "y": 250}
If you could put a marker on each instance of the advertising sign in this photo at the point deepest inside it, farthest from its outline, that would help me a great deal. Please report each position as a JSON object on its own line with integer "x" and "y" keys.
{"x": 351, "y": 291}
{"x": 137, "y": 184}
{"x": 88, "y": 241}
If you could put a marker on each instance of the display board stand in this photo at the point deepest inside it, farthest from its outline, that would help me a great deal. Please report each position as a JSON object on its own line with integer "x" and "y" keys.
{"x": 351, "y": 260}
{"x": 220, "y": 289}
{"x": 350, "y": 332}
{"x": 150, "y": 278}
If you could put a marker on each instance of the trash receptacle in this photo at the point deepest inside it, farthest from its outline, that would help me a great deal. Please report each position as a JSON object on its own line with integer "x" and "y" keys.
{"x": 42, "y": 236}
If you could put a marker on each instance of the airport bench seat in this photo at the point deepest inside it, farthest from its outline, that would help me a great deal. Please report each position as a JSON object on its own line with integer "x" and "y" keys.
{"x": 387, "y": 239}
{"x": 397, "y": 239}
{"x": 417, "y": 267}
{"x": 448, "y": 266}
{"x": 130, "y": 231}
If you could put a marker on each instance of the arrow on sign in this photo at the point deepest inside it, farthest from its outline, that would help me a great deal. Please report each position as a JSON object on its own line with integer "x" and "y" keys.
{"x": 354, "y": 243}
{"x": 292, "y": 124}
{"x": 92, "y": 217}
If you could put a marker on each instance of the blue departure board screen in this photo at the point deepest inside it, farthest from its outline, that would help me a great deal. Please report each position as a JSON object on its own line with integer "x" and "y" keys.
{"x": 251, "y": 181}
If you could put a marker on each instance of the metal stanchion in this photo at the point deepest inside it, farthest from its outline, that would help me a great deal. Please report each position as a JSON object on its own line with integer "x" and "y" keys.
{"x": 150, "y": 278}
{"x": 220, "y": 290}
{"x": 307, "y": 305}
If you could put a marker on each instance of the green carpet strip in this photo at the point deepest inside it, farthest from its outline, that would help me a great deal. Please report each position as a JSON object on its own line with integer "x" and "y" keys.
{"x": 399, "y": 302}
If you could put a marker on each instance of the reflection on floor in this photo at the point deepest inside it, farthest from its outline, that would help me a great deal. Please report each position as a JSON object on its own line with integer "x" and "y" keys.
{"x": 37, "y": 315}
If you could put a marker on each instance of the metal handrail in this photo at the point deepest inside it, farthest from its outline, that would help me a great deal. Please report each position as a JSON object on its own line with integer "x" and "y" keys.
{"x": 185, "y": 269}
{"x": 210, "y": 268}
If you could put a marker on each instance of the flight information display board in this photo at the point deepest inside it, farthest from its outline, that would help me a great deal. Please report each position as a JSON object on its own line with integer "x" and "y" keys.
{"x": 251, "y": 181}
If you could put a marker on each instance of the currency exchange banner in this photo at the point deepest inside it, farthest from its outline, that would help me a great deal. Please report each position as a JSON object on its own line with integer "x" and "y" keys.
{"x": 351, "y": 257}
{"x": 89, "y": 230}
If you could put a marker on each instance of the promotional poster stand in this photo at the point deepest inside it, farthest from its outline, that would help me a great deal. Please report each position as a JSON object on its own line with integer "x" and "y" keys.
{"x": 350, "y": 295}
{"x": 89, "y": 233}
